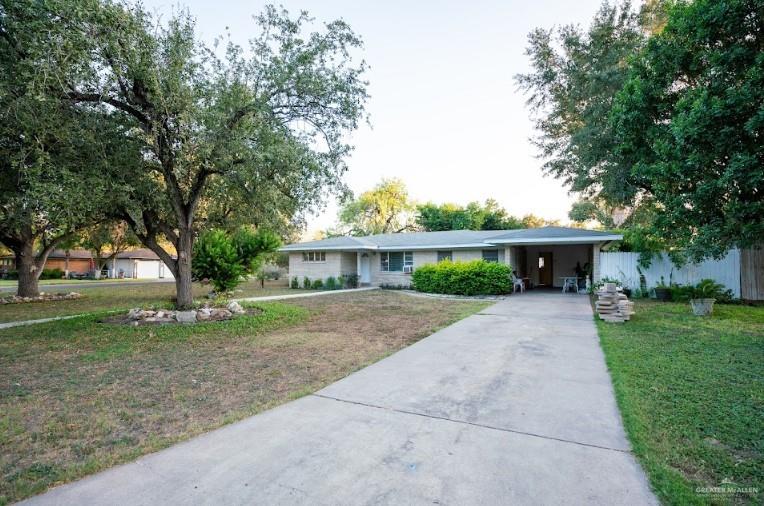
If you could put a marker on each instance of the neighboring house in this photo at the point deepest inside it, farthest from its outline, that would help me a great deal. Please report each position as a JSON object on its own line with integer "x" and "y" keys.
{"x": 78, "y": 261}
{"x": 139, "y": 264}
{"x": 543, "y": 255}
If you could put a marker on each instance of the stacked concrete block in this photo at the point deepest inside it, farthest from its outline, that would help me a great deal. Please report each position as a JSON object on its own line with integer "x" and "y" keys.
{"x": 612, "y": 305}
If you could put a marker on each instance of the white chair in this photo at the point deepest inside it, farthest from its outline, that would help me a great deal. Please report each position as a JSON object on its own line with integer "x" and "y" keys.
{"x": 571, "y": 283}
{"x": 517, "y": 283}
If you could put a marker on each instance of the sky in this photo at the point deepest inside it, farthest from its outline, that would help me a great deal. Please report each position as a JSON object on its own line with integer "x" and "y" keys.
{"x": 446, "y": 114}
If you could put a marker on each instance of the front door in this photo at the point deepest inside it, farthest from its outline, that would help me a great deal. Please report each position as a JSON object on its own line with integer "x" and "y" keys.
{"x": 365, "y": 273}
{"x": 546, "y": 276}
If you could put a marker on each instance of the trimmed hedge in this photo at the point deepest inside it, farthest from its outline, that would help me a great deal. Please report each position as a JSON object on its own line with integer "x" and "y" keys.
{"x": 477, "y": 277}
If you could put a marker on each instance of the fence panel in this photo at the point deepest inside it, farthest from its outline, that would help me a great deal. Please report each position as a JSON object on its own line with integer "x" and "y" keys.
{"x": 623, "y": 266}
{"x": 752, "y": 273}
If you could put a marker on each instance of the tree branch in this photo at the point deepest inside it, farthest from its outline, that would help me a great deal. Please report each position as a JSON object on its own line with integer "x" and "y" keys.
{"x": 98, "y": 98}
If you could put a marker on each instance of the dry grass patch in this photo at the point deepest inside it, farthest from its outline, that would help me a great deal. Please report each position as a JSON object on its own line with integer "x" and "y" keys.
{"x": 77, "y": 396}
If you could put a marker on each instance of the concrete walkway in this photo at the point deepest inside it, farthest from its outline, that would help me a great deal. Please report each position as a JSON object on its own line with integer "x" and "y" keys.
{"x": 510, "y": 406}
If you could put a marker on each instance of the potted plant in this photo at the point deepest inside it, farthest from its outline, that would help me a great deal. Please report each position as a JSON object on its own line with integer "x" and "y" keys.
{"x": 703, "y": 295}
{"x": 662, "y": 291}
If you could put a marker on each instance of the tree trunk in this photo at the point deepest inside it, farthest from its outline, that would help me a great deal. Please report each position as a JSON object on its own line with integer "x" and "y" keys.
{"x": 183, "y": 286}
{"x": 29, "y": 273}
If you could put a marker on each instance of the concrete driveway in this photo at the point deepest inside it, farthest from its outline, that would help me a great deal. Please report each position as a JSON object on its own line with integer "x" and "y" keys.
{"x": 511, "y": 406}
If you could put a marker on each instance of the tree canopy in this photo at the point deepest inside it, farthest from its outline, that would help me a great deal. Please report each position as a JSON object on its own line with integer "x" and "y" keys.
{"x": 575, "y": 77}
{"x": 54, "y": 157}
{"x": 689, "y": 123}
{"x": 474, "y": 216}
{"x": 658, "y": 112}
{"x": 386, "y": 208}
{"x": 224, "y": 134}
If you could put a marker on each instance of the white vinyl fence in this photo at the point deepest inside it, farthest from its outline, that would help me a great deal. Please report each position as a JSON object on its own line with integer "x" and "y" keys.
{"x": 623, "y": 267}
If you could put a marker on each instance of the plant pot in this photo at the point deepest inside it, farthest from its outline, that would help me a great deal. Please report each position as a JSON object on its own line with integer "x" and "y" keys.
{"x": 702, "y": 307}
{"x": 663, "y": 294}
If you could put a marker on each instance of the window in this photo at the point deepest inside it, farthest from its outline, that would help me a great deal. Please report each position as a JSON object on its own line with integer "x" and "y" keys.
{"x": 541, "y": 262}
{"x": 491, "y": 255}
{"x": 314, "y": 256}
{"x": 445, "y": 255}
{"x": 395, "y": 261}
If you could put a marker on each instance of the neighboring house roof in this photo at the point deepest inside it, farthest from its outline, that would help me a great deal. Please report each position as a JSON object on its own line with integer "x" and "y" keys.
{"x": 73, "y": 254}
{"x": 451, "y": 239}
{"x": 139, "y": 254}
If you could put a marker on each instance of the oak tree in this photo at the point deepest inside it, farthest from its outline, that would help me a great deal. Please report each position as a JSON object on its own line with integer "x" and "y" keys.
{"x": 262, "y": 127}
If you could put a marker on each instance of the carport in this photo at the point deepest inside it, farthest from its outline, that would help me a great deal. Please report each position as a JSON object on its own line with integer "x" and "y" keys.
{"x": 545, "y": 256}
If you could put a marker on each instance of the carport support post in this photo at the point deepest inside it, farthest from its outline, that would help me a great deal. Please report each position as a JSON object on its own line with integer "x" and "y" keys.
{"x": 595, "y": 262}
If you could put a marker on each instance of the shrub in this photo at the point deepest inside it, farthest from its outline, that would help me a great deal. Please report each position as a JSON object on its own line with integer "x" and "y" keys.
{"x": 10, "y": 274}
{"x": 224, "y": 258}
{"x": 341, "y": 280}
{"x": 306, "y": 282}
{"x": 318, "y": 284}
{"x": 331, "y": 283}
{"x": 215, "y": 258}
{"x": 705, "y": 289}
{"x": 51, "y": 274}
{"x": 295, "y": 282}
{"x": 477, "y": 277}
{"x": 352, "y": 281}
{"x": 271, "y": 271}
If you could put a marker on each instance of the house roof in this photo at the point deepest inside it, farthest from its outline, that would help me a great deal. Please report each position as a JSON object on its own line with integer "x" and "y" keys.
{"x": 73, "y": 254}
{"x": 141, "y": 254}
{"x": 451, "y": 239}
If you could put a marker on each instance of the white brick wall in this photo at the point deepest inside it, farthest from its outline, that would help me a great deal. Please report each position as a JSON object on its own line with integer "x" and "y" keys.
{"x": 315, "y": 270}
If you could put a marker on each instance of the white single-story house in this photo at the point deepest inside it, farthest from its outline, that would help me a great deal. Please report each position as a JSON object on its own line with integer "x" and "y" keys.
{"x": 138, "y": 264}
{"x": 542, "y": 255}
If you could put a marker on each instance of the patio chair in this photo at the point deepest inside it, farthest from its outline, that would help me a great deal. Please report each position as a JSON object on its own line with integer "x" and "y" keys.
{"x": 517, "y": 283}
{"x": 570, "y": 283}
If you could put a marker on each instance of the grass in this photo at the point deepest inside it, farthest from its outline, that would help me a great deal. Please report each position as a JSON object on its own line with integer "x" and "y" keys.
{"x": 691, "y": 392}
{"x": 106, "y": 298}
{"x": 77, "y": 396}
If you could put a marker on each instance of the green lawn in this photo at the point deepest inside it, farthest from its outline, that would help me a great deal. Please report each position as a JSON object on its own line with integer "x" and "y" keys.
{"x": 105, "y": 298}
{"x": 691, "y": 392}
{"x": 77, "y": 396}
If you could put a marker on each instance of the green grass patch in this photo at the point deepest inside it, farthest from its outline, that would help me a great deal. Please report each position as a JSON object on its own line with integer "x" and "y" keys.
{"x": 691, "y": 392}
{"x": 123, "y": 297}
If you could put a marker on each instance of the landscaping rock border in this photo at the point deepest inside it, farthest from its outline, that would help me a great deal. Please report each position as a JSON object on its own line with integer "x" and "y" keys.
{"x": 138, "y": 316}
{"x": 43, "y": 297}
